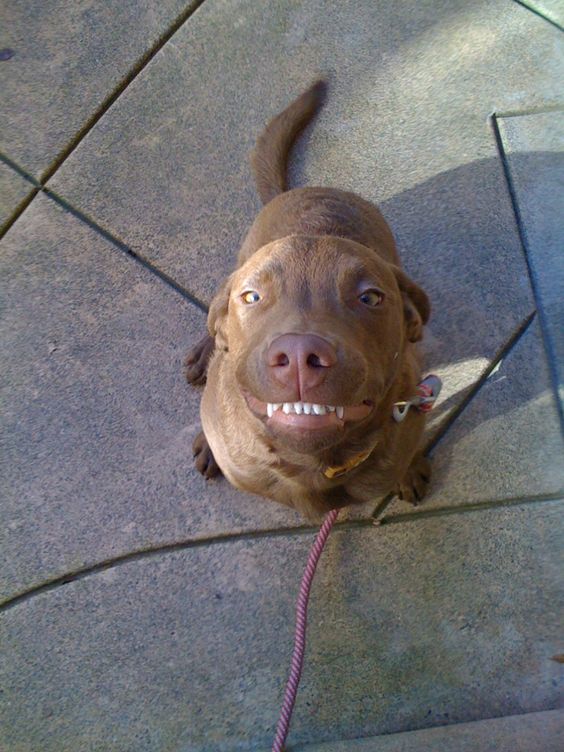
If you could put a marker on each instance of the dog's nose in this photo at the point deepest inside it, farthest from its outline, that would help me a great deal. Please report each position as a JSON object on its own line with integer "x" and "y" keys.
{"x": 300, "y": 360}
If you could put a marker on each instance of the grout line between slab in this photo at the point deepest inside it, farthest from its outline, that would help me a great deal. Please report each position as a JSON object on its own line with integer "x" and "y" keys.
{"x": 80, "y": 574}
{"x": 307, "y": 746}
{"x": 111, "y": 238}
{"x": 538, "y": 13}
{"x": 550, "y": 356}
{"x": 365, "y": 523}
{"x": 18, "y": 211}
{"x": 453, "y": 416}
{"x": 381, "y": 507}
{"x": 502, "y": 353}
{"x": 478, "y": 506}
{"x": 88, "y": 126}
{"x": 547, "y": 108}
{"x": 120, "y": 88}
{"x": 97, "y": 228}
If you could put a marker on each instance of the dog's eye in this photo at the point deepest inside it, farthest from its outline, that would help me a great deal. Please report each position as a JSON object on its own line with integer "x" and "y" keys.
{"x": 371, "y": 298}
{"x": 250, "y": 296}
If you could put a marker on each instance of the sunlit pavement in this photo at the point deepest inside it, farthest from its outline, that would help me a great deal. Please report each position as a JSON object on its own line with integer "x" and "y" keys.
{"x": 144, "y": 610}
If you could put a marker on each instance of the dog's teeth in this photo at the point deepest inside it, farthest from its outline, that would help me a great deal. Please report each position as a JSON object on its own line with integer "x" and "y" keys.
{"x": 303, "y": 407}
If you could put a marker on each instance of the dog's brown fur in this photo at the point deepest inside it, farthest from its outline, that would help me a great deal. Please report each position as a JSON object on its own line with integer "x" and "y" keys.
{"x": 306, "y": 251}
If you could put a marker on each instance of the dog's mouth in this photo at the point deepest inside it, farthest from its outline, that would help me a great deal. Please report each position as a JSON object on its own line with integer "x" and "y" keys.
{"x": 307, "y": 416}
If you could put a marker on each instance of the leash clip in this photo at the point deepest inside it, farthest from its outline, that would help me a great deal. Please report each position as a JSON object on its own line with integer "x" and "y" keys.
{"x": 428, "y": 391}
{"x": 400, "y": 410}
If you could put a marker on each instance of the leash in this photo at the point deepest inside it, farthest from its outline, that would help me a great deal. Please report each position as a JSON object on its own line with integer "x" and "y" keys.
{"x": 424, "y": 400}
{"x": 300, "y": 633}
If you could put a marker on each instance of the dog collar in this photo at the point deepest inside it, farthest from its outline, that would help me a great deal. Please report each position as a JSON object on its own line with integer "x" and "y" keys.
{"x": 338, "y": 470}
{"x": 427, "y": 392}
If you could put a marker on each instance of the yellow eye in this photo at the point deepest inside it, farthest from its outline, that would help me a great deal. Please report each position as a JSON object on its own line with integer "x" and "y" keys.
{"x": 371, "y": 298}
{"x": 250, "y": 296}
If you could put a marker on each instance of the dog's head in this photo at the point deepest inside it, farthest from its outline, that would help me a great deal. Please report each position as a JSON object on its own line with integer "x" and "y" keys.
{"x": 314, "y": 329}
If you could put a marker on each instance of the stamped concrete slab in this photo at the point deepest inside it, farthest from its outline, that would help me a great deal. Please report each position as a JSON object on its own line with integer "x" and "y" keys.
{"x": 406, "y": 125}
{"x": 507, "y": 443}
{"x": 66, "y": 59}
{"x": 442, "y": 620}
{"x": 97, "y": 420}
{"x": 532, "y": 732}
{"x": 534, "y": 149}
{"x": 13, "y": 191}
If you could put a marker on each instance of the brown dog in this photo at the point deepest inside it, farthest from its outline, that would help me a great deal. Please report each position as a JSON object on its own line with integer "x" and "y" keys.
{"x": 310, "y": 345}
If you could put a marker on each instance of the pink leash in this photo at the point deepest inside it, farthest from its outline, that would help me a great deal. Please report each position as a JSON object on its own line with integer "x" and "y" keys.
{"x": 427, "y": 393}
{"x": 300, "y": 633}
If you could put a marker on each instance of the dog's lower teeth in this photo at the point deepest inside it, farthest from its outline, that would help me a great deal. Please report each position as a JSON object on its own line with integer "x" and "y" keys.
{"x": 307, "y": 408}
{"x": 288, "y": 408}
{"x": 340, "y": 413}
{"x": 319, "y": 409}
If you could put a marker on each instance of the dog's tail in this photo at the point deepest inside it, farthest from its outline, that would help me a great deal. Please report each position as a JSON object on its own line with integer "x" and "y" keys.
{"x": 269, "y": 158}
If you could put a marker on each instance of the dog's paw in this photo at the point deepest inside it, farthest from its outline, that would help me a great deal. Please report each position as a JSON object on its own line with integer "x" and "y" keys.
{"x": 203, "y": 457}
{"x": 197, "y": 360}
{"x": 415, "y": 484}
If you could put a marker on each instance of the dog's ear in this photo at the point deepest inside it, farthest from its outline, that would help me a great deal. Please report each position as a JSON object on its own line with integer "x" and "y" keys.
{"x": 217, "y": 314}
{"x": 416, "y": 305}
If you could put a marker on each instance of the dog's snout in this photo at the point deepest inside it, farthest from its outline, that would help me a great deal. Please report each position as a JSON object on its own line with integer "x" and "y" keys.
{"x": 300, "y": 360}
{"x": 301, "y": 351}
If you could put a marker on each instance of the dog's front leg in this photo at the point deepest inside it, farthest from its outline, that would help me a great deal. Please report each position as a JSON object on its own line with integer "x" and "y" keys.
{"x": 414, "y": 485}
{"x": 197, "y": 360}
{"x": 203, "y": 457}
